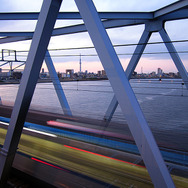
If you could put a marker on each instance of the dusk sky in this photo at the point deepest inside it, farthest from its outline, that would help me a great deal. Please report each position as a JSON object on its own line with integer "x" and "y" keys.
{"x": 123, "y": 35}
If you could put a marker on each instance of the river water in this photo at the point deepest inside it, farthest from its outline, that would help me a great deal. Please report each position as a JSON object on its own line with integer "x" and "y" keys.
{"x": 164, "y": 104}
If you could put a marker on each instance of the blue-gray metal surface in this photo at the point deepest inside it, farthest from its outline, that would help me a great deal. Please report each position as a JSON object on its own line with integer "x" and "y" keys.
{"x": 125, "y": 96}
{"x": 130, "y": 69}
{"x": 171, "y": 8}
{"x": 123, "y": 92}
{"x": 174, "y": 55}
{"x": 76, "y": 15}
{"x": 57, "y": 85}
{"x": 151, "y": 26}
{"x": 43, "y": 31}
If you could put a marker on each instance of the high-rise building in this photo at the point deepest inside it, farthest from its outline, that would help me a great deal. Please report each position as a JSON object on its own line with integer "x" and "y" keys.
{"x": 99, "y": 73}
{"x": 159, "y": 72}
{"x": 103, "y": 73}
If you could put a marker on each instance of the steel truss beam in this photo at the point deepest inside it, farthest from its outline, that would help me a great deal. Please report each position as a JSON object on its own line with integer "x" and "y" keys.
{"x": 70, "y": 29}
{"x": 125, "y": 96}
{"x": 171, "y": 8}
{"x": 151, "y": 26}
{"x": 174, "y": 55}
{"x": 57, "y": 85}
{"x": 119, "y": 81}
{"x": 43, "y": 31}
{"x": 76, "y": 15}
{"x": 179, "y": 14}
{"x": 178, "y": 10}
{"x": 130, "y": 69}
{"x": 13, "y": 39}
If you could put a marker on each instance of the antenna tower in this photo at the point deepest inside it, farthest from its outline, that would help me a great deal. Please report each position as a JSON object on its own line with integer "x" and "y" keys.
{"x": 80, "y": 64}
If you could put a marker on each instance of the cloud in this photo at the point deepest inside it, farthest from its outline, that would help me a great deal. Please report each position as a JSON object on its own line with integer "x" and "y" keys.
{"x": 20, "y": 5}
{"x": 123, "y": 35}
{"x": 133, "y": 5}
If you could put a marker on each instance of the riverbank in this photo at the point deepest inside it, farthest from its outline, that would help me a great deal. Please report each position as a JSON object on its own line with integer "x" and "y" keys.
{"x": 2, "y": 82}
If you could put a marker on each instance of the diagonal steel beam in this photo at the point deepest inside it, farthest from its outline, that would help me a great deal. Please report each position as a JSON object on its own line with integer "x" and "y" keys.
{"x": 171, "y": 8}
{"x": 174, "y": 55}
{"x": 176, "y": 15}
{"x": 125, "y": 96}
{"x": 13, "y": 39}
{"x": 72, "y": 29}
{"x": 130, "y": 69}
{"x": 43, "y": 31}
{"x": 150, "y": 27}
{"x": 57, "y": 85}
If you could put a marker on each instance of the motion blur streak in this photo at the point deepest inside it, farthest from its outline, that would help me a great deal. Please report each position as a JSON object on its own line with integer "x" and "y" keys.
{"x": 40, "y": 132}
{"x": 32, "y": 130}
{"x": 102, "y": 155}
{"x": 49, "y": 164}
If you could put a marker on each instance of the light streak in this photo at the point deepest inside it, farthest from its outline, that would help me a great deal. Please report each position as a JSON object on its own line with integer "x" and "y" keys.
{"x": 49, "y": 164}
{"x": 32, "y": 130}
{"x": 4, "y": 123}
{"x": 40, "y": 132}
{"x": 85, "y": 129}
{"x": 102, "y": 155}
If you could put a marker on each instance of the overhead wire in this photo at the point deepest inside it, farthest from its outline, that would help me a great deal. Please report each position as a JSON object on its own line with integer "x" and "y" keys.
{"x": 119, "y": 54}
{"x": 115, "y": 45}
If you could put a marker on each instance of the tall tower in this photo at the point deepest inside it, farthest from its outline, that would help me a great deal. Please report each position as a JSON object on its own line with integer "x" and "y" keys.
{"x": 80, "y": 64}
{"x": 141, "y": 70}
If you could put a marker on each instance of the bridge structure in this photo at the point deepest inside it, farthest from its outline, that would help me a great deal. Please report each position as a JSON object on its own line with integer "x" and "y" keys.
{"x": 95, "y": 23}
{"x": 5, "y": 58}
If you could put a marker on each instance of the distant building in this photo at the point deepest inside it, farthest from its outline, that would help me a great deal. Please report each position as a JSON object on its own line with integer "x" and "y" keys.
{"x": 59, "y": 74}
{"x": 43, "y": 74}
{"x": 99, "y": 73}
{"x": 17, "y": 75}
{"x": 171, "y": 74}
{"x": 153, "y": 74}
{"x": 91, "y": 75}
{"x": 4, "y": 74}
{"x": 69, "y": 73}
{"x": 159, "y": 72}
{"x": 178, "y": 75}
{"x": 64, "y": 75}
{"x": 103, "y": 73}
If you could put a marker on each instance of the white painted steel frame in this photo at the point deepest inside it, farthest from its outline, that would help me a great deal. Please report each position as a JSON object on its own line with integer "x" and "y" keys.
{"x": 43, "y": 31}
{"x": 57, "y": 85}
{"x": 125, "y": 96}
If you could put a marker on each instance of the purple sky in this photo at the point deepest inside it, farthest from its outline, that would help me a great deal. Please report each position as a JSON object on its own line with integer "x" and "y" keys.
{"x": 124, "y": 35}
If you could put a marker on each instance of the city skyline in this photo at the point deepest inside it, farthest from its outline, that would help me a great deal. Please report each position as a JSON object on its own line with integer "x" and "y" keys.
{"x": 155, "y": 54}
